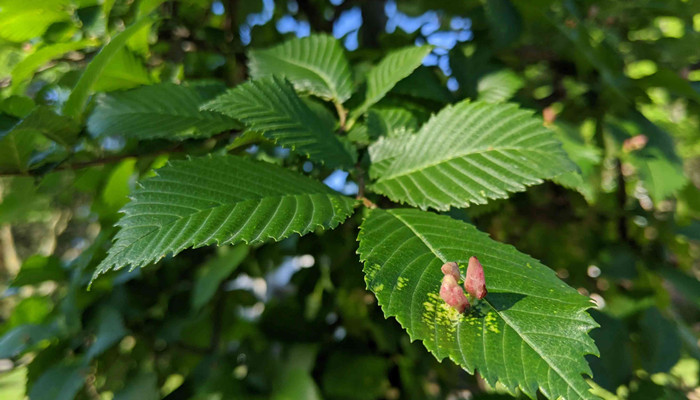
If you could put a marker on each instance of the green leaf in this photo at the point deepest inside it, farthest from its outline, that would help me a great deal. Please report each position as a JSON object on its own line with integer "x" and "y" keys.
{"x": 163, "y": 110}
{"x": 660, "y": 345}
{"x": 110, "y": 330}
{"x": 271, "y": 106}
{"x": 27, "y": 67}
{"x": 614, "y": 367}
{"x": 353, "y": 376}
{"x": 504, "y": 21}
{"x": 529, "y": 331}
{"x": 469, "y": 153}
{"x": 37, "y": 269}
{"x": 586, "y": 157}
{"x": 499, "y": 86}
{"x": 23, "y": 338}
{"x": 315, "y": 64}
{"x": 75, "y": 104}
{"x": 211, "y": 274}
{"x": 58, "y": 128}
{"x": 16, "y": 147}
{"x": 25, "y": 20}
{"x": 390, "y": 122}
{"x": 124, "y": 71}
{"x": 220, "y": 200}
{"x": 391, "y": 69}
{"x": 60, "y": 382}
{"x": 143, "y": 386}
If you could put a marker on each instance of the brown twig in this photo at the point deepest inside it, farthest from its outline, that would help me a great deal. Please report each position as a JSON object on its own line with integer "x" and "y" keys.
{"x": 178, "y": 148}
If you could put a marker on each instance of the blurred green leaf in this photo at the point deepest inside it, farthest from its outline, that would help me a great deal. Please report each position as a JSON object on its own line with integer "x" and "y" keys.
{"x": 157, "y": 111}
{"x": 355, "y": 376}
{"x": 660, "y": 346}
{"x": 60, "y": 382}
{"x": 75, "y": 104}
{"x": 210, "y": 275}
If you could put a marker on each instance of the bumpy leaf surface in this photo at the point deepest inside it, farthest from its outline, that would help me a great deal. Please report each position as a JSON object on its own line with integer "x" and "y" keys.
{"x": 220, "y": 200}
{"x": 530, "y": 331}
{"x": 315, "y": 64}
{"x": 469, "y": 153}
{"x": 271, "y": 106}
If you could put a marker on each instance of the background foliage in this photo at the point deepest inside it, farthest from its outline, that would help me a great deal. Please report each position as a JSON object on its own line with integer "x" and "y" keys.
{"x": 569, "y": 131}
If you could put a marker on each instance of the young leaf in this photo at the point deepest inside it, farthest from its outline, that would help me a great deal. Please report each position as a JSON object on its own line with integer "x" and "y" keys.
{"x": 471, "y": 152}
{"x": 390, "y": 122}
{"x": 219, "y": 200}
{"x": 394, "y": 67}
{"x": 163, "y": 110}
{"x": 25, "y": 20}
{"x": 530, "y": 331}
{"x": 499, "y": 86}
{"x": 315, "y": 64}
{"x": 75, "y": 104}
{"x": 27, "y": 67}
{"x": 124, "y": 71}
{"x": 271, "y": 106}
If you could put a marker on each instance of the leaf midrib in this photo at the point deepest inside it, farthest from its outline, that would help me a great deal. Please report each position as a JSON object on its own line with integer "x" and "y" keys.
{"x": 461, "y": 155}
{"x": 505, "y": 319}
{"x": 210, "y": 209}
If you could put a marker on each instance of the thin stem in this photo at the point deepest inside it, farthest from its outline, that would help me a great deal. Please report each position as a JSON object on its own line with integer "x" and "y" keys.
{"x": 342, "y": 114}
{"x": 178, "y": 148}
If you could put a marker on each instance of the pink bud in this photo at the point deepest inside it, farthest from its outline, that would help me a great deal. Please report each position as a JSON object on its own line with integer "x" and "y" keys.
{"x": 451, "y": 268}
{"x": 452, "y": 293}
{"x": 474, "y": 281}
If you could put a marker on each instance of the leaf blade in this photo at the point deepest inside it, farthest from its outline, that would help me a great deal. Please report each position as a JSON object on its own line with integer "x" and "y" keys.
{"x": 469, "y": 153}
{"x": 236, "y": 200}
{"x": 315, "y": 64}
{"x": 163, "y": 110}
{"x": 75, "y": 104}
{"x": 391, "y": 69}
{"x": 403, "y": 250}
{"x": 271, "y": 106}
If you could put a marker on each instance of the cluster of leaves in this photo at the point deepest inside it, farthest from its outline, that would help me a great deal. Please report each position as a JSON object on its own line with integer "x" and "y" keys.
{"x": 230, "y": 270}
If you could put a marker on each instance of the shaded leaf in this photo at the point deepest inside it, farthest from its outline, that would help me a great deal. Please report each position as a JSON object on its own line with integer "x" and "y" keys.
{"x": 210, "y": 275}
{"x": 271, "y": 106}
{"x": 391, "y": 69}
{"x": 110, "y": 330}
{"x": 163, "y": 110}
{"x": 75, "y": 104}
{"x": 528, "y": 332}
{"x": 220, "y": 200}
{"x": 143, "y": 386}
{"x": 660, "y": 347}
{"x": 27, "y": 67}
{"x": 60, "y": 382}
{"x": 390, "y": 122}
{"x": 353, "y": 376}
{"x": 23, "y": 338}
